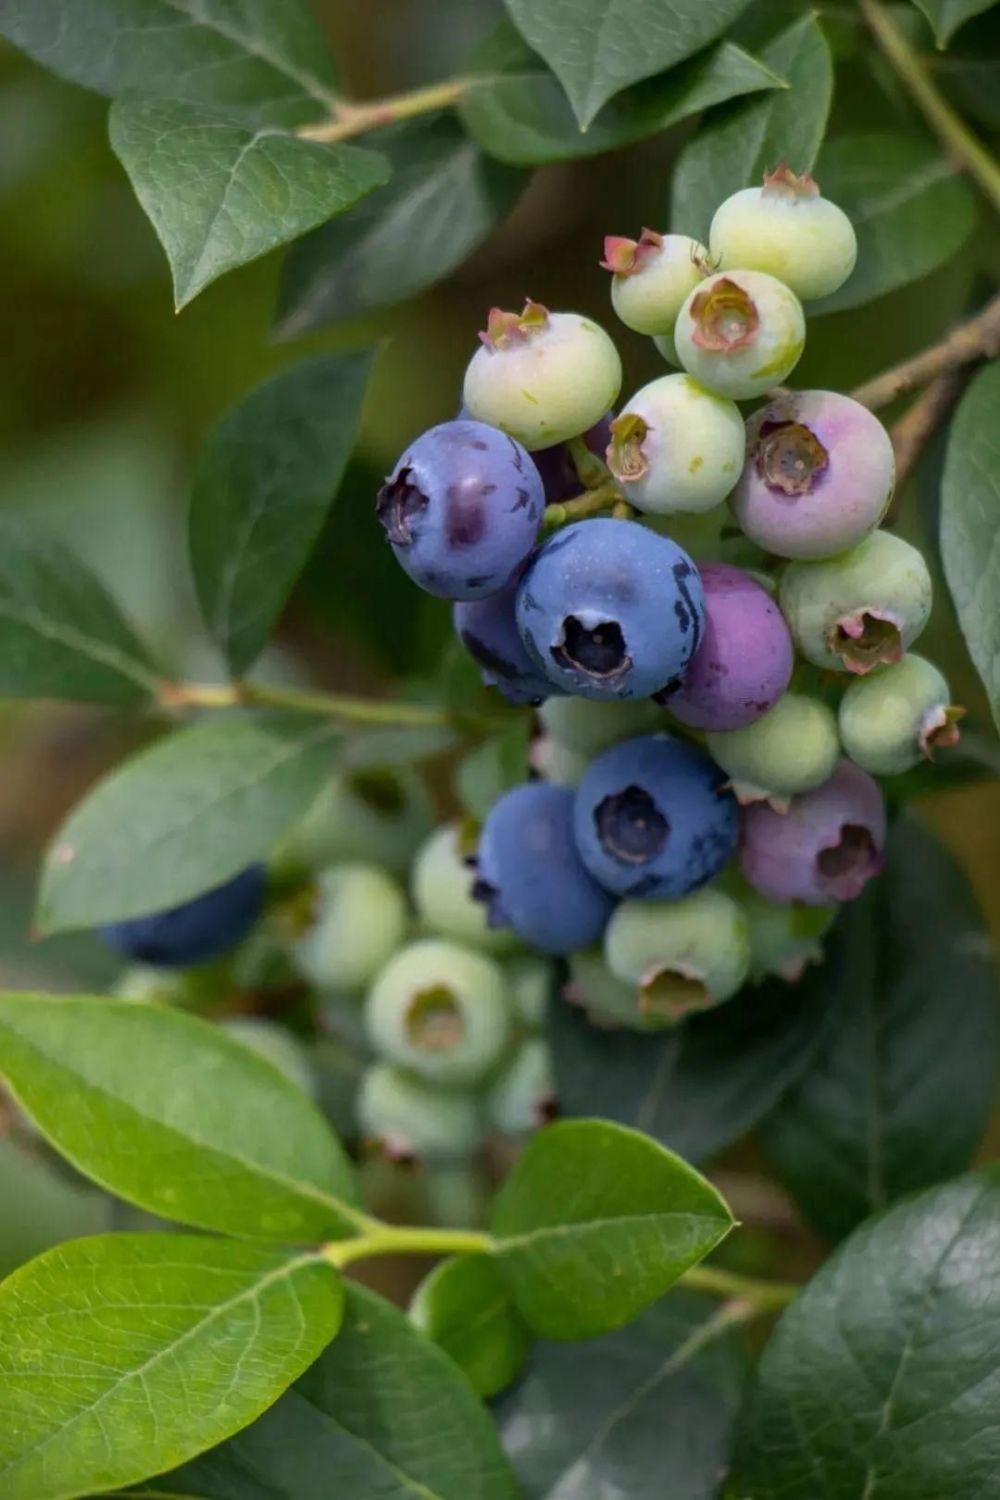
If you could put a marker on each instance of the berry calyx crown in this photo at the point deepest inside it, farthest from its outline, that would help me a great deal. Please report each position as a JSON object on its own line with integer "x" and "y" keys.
{"x": 625, "y": 257}
{"x": 625, "y": 455}
{"x": 725, "y": 317}
{"x": 788, "y": 185}
{"x": 506, "y": 328}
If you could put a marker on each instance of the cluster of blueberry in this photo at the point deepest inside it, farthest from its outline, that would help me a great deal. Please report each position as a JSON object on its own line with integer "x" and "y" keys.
{"x": 610, "y": 627}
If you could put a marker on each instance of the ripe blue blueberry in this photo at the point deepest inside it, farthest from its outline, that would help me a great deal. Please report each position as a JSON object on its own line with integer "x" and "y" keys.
{"x": 488, "y": 630}
{"x": 461, "y": 509}
{"x": 196, "y": 931}
{"x": 652, "y": 818}
{"x": 530, "y": 876}
{"x": 609, "y": 609}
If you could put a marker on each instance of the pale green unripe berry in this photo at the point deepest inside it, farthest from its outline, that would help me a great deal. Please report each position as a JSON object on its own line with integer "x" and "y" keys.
{"x": 278, "y": 1046}
{"x": 529, "y": 982}
{"x": 441, "y": 1011}
{"x": 589, "y": 726}
{"x": 412, "y": 1122}
{"x": 145, "y": 985}
{"x": 792, "y": 748}
{"x": 607, "y": 1001}
{"x": 784, "y": 940}
{"x": 667, "y": 349}
{"x": 441, "y": 885}
{"x": 377, "y": 816}
{"x": 788, "y": 230}
{"x": 359, "y": 920}
{"x": 556, "y": 762}
{"x": 542, "y": 377}
{"x": 677, "y": 447}
{"x": 860, "y": 609}
{"x": 652, "y": 277}
{"x": 685, "y": 956}
{"x": 523, "y": 1097}
{"x": 740, "y": 333}
{"x": 897, "y": 716}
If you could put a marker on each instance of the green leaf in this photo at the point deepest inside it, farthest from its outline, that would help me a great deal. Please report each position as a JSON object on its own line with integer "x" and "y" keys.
{"x": 495, "y": 766}
{"x": 265, "y": 481}
{"x": 221, "y": 192}
{"x": 207, "y": 1132}
{"x": 946, "y": 16}
{"x": 646, "y": 1412}
{"x": 182, "y": 816}
{"x": 882, "y": 1379}
{"x": 270, "y": 59}
{"x": 384, "y": 749}
{"x": 444, "y": 199}
{"x": 50, "y": 1207}
{"x": 464, "y": 1307}
{"x": 595, "y": 1222}
{"x": 518, "y": 112}
{"x": 128, "y": 1353}
{"x": 383, "y": 1414}
{"x": 61, "y": 633}
{"x": 738, "y": 143}
{"x": 700, "y": 1087}
{"x": 970, "y": 525}
{"x": 596, "y": 48}
{"x": 899, "y": 1093}
{"x": 912, "y": 211}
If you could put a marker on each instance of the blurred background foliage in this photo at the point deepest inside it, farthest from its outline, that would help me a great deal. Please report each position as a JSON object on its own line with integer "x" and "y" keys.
{"x": 105, "y": 395}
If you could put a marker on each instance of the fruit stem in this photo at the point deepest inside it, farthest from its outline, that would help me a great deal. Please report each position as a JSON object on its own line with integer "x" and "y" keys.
{"x": 978, "y": 338}
{"x": 967, "y": 149}
{"x": 392, "y": 1239}
{"x": 173, "y": 695}
{"x": 591, "y": 471}
{"x": 765, "y": 1296}
{"x": 605, "y": 497}
{"x": 350, "y": 119}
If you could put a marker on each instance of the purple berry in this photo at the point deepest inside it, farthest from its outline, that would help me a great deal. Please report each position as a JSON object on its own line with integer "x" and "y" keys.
{"x": 530, "y": 875}
{"x": 818, "y": 477}
{"x": 609, "y": 609}
{"x": 198, "y": 930}
{"x": 652, "y": 818}
{"x": 745, "y": 659}
{"x": 461, "y": 509}
{"x": 488, "y": 631}
{"x": 825, "y": 848}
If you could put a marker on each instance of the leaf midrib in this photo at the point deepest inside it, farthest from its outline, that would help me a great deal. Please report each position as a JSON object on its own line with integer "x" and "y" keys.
{"x": 77, "y": 640}
{"x": 308, "y": 82}
{"x": 558, "y": 1231}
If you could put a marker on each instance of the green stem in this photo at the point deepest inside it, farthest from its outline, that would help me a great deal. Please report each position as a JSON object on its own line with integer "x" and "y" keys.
{"x": 590, "y": 470}
{"x": 764, "y": 1295}
{"x": 605, "y": 497}
{"x": 173, "y": 695}
{"x": 392, "y": 1239}
{"x": 952, "y": 130}
{"x": 356, "y": 119}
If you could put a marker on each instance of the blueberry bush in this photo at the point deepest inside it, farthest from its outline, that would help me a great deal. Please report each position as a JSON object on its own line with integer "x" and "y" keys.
{"x": 551, "y": 1063}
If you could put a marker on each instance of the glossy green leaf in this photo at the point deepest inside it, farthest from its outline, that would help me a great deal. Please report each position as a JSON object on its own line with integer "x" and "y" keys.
{"x": 518, "y": 111}
{"x": 595, "y": 1222}
{"x": 382, "y": 1415}
{"x": 269, "y": 59}
{"x": 45, "y": 1207}
{"x": 443, "y": 201}
{"x": 265, "y": 481}
{"x": 207, "y": 1132}
{"x": 698, "y": 1088}
{"x": 899, "y": 1092}
{"x": 946, "y": 16}
{"x": 182, "y": 816}
{"x": 221, "y": 192}
{"x": 882, "y": 1379}
{"x": 61, "y": 633}
{"x": 596, "y": 48}
{"x": 910, "y": 207}
{"x": 499, "y": 763}
{"x": 123, "y": 1355}
{"x": 646, "y": 1412}
{"x": 737, "y": 143}
{"x": 970, "y": 525}
{"x": 464, "y": 1306}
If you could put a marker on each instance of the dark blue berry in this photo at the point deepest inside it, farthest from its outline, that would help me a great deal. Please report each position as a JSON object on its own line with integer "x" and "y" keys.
{"x": 199, "y": 930}
{"x": 488, "y": 631}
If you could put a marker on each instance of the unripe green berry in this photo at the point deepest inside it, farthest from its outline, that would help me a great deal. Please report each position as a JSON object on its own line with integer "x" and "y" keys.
{"x": 145, "y": 985}
{"x": 896, "y": 717}
{"x": 608, "y": 1001}
{"x": 542, "y": 377}
{"x": 652, "y": 277}
{"x": 677, "y": 447}
{"x": 667, "y": 349}
{"x": 556, "y": 762}
{"x": 410, "y": 1121}
{"x": 589, "y": 726}
{"x": 523, "y": 1097}
{"x": 788, "y": 230}
{"x": 685, "y": 956}
{"x": 740, "y": 333}
{"x": 378, "y": 816}
{"x": 359, "y": 920}
{"x": 860, "y": 609}
{"x": 529, "y": 983}
{"x": 278, "y": 1046}
{"x": 441, "y": 885}
{"x": 792, "y": 748}
{"x": 784, "y": 939}
{"x": 440, "y": 1010}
